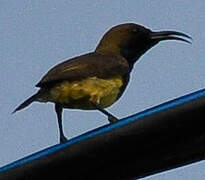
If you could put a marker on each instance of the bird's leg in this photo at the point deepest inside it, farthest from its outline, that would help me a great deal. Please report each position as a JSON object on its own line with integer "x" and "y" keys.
{"x": 111, "y": 118}
{"x": 59, "y": 110}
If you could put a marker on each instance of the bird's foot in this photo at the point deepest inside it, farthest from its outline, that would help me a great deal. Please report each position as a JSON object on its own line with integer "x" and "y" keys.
{"x": 112, "y": 119}
{"x": 63, "y": 139}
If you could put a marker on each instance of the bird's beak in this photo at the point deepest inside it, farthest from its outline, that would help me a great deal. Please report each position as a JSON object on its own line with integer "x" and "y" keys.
{"x": 170, "y": 35}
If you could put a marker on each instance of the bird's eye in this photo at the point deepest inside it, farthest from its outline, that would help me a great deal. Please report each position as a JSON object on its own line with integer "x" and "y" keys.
{"x": 135, "y": 30}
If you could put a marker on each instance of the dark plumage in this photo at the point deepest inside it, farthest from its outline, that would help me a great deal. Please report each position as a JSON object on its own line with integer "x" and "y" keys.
{"x": 88, "y": 65}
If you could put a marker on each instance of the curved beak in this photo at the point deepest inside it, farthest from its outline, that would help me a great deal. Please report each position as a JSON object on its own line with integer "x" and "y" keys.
{"x": 170, "y": 35}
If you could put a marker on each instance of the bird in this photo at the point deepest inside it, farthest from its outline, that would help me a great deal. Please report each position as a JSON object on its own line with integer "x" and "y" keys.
{"x": 96, "y": 80}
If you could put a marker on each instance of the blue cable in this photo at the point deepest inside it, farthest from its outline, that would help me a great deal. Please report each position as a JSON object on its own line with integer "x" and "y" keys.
{"x": 107, "y": 128}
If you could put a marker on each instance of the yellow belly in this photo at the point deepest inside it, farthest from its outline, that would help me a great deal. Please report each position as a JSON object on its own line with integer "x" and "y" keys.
{"x": 80, "y": 94}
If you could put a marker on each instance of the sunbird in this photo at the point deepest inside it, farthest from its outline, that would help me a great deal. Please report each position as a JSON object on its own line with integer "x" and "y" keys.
{"x": 96, "y": 80}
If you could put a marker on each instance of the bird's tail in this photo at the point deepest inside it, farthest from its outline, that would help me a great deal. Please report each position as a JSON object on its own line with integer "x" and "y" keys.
{"x": 27, "y": 102}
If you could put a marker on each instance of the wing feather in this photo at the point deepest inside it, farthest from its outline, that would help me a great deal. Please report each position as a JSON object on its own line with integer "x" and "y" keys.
{"x": 89, "y": 65}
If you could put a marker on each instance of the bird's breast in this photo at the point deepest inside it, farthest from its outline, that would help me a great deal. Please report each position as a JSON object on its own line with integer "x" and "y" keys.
{"x": 80, "y": 94}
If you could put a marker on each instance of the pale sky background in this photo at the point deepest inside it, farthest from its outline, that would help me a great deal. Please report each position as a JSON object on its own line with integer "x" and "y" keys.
{"x": 36, "y": 35}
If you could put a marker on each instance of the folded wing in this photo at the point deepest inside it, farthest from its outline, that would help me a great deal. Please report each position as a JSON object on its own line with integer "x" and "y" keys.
{"x": 89, "y": 65}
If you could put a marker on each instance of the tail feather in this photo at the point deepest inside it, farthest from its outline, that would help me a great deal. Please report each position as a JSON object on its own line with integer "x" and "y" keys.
{"x": 27, "y": 102}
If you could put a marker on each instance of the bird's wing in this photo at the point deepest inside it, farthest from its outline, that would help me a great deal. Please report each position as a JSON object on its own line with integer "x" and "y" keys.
{"x": 89, "y": 65}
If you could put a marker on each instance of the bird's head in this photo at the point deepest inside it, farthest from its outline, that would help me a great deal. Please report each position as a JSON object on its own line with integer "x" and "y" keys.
{"x": 131, "y": 40}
